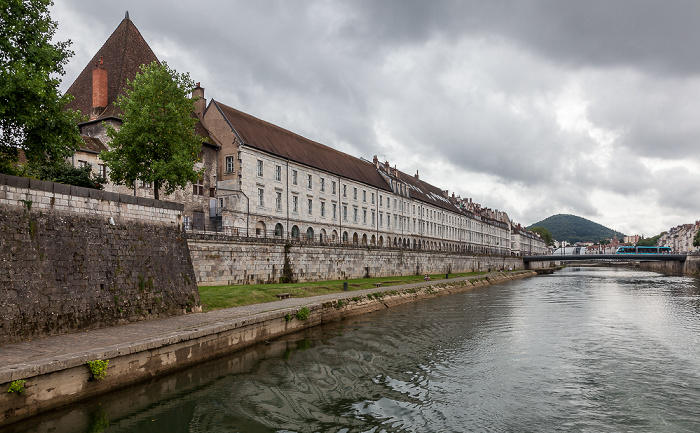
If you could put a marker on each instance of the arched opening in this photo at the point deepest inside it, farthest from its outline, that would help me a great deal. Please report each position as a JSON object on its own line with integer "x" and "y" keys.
{"x": 381, "y": 241}
{"x": 309, "y": 234}
{"x": 295, "y": 232}
{"x": 355, "y": 238}
{"x": 260, "y": 230}
{"x": 396, "y": 244}
{"x": 345, "y": 237}
{"x": 322, "y": 236}
{"x": 334, "y": 236}
{"x": 373, "y": 240}
{"x": 279, "y": 230}
{"x": 364, "y": 239}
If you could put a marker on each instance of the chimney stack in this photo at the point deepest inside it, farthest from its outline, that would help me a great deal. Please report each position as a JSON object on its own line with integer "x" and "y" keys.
{"x": 99, "y": 89}
{"x": 417, "y": 175}
{"x": 200, "y": 104}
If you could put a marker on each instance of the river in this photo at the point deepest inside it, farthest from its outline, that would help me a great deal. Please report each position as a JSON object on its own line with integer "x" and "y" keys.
{"x": 584, "y": 349}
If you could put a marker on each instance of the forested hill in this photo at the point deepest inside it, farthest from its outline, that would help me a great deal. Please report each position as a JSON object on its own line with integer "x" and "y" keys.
{"x": 572, "y": 228}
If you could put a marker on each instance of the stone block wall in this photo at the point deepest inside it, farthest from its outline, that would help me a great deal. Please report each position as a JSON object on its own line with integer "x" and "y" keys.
{"x": 73, "y": 259}
{"x": 220, "y": 261}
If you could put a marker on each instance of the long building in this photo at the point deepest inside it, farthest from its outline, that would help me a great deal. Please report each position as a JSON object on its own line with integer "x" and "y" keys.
{"x": 263, "y": 181}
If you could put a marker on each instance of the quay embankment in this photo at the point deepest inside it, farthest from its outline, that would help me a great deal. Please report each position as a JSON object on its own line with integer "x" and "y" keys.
{"x": 690, "y": 267}
{"x": 54, "y": 370}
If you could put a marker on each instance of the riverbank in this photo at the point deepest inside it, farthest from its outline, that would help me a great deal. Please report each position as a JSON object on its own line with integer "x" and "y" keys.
{"x": 55, "y": 371}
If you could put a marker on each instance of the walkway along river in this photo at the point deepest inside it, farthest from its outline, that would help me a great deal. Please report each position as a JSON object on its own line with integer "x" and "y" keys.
{"x": 584, "y": 349}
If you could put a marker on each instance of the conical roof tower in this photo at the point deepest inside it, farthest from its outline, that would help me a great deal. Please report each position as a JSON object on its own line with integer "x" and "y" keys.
{"x": 121, "y": 56}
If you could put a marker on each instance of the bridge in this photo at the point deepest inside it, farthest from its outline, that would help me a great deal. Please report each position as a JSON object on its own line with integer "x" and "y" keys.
{"x": 607, "y": 257}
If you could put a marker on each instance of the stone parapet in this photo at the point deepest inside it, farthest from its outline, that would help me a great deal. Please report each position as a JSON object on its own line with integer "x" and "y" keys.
{"x": 40, "y": 195}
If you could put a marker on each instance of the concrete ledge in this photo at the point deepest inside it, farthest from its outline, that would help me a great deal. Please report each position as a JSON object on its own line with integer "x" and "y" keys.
{"x": 61, "y": 380}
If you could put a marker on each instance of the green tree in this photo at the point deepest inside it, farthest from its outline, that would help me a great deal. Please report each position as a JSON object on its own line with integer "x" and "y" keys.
{"x": 545, "y": 234}
{"x": 650, "y": 242}
{"x": 32, "y": 114}
{"x": 696, "y": 239}
{"x": 157, "y": 141}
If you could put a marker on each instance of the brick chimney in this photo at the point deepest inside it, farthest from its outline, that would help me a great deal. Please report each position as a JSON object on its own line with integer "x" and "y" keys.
{"x": 201, "y": 104}
{"x": 99, "y": 89}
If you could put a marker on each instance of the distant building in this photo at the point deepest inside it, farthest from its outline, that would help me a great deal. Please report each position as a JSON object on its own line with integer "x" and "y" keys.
{"x": 680, "y": 238}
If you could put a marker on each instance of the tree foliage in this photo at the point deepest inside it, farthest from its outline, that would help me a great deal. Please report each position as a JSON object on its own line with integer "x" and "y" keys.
{"x": 545, "y": 234}
{"x": 157, "y": 141}
{"x": 696, "y": 239}
{"x": 649, "y": 242}
{"x": 67, "y": 174}
{"x": 32, "y": 114}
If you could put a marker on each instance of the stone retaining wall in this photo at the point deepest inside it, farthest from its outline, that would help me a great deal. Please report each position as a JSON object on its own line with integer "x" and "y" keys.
{"x": 73, "y": 259}
{"x": 691, "y": 266}
{"x": 219, "y": 260}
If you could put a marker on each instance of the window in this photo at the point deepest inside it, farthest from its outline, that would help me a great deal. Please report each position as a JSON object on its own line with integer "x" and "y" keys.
{"x": 372, "y": 198}
{"x": 354, "y": 215}
{"x": 364, "y": 216}
{"x": 102, "y": 170}
{"x": 381, "y": 200}
{"x": 311, "y": 206}
{"x": 394, "y": 203}
{"x": 295, "y": 203}
{"x": 212, "y": 192}
{"x": 145, "y": 184}
{"x": 260, "y": 168}
{"x": 323, "y": 209}
{"x": 323, "y": 184}
{"x": 333, "y": 187}
{"x": 354, "y": 193}
{"x": 278, "y": 173}
{"x": 261, "y": 197}
{"x": 294, "y": 177}
{"x": 335, "y": 208}
{"x": 198, "y": 187}
{"x": 373, "y": 216}
{"x": 309, "y": 181}
{"x": 278, "y": 201}
{"x": 345, "y": 213}
{"x": 82, "y": 163}
{"x": 345, "y": 190}
{"x": 364, "y": 196}
{"x": 388, "y": 221}
{"x": 381, "y": 219}
{"x": 229, "y": 164}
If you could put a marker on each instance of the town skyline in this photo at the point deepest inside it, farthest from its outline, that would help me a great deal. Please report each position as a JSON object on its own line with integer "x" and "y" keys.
{"x": 547, "y": 142}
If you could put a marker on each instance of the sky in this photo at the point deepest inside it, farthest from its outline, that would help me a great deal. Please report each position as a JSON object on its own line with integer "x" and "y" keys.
{"x": 532, "y": 107}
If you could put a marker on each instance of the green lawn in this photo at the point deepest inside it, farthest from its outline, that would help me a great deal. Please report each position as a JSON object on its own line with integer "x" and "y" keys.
{"x": 216, "y": 297}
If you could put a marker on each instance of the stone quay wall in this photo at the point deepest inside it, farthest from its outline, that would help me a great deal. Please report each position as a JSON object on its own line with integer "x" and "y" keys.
{"x": 73, "y": 259}
{"x": 691, "y": 266}
{"x": 221, "y": 260}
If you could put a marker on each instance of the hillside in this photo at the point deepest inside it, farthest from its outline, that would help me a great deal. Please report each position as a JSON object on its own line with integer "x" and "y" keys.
{"x": 572, "y": 228}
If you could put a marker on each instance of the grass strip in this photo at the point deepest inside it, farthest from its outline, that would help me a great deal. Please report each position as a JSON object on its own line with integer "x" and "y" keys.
{"x": 217, "y": 297}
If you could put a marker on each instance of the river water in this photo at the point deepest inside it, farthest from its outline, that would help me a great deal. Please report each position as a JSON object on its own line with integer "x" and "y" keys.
{"x": 584, "y": 349}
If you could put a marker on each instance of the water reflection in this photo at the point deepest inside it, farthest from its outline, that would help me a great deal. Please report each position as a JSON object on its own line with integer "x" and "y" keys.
{"x": 594, "y": 349}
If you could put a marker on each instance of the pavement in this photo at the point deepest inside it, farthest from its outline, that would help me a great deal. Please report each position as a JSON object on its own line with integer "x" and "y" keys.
{"x": 38, "y": 356}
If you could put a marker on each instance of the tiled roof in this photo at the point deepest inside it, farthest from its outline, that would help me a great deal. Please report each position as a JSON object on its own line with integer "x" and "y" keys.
{"x": 423, "y": 191}
{"x": 92, "y": 144}
{"x": 123, "y": 54}
{"x": 203, "y": 132}
{"x": 278, "y": 141}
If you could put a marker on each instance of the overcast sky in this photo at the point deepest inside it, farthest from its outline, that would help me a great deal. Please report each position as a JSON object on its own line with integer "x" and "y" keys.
{"x": 531, "y": 107}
